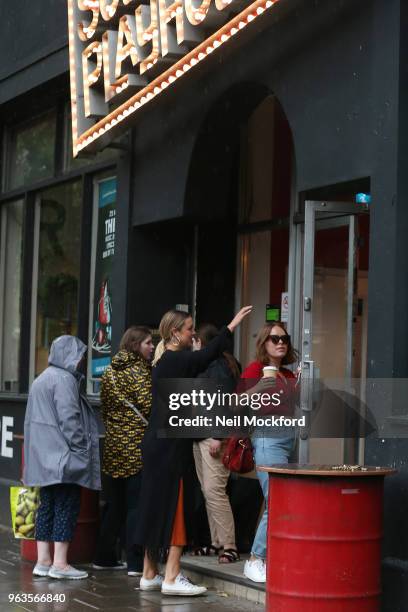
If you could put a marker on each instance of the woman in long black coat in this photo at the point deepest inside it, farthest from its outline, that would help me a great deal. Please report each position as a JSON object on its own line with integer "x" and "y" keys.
{"x": 160, "y": 518}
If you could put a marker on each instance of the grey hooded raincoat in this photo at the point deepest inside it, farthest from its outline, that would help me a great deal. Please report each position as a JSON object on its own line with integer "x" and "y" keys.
{"x": 61, "y": 441}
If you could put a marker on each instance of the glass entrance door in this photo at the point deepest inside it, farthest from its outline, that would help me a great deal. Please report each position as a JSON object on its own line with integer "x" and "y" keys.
{"x": 328, "y": 307}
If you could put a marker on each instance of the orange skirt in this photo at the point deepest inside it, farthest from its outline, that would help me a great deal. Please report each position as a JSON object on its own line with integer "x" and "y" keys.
{"x": 178, "y": 536}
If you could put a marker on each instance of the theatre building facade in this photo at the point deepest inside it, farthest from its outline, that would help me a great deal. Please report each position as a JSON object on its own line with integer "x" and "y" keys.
{"x": 271, "y": 171}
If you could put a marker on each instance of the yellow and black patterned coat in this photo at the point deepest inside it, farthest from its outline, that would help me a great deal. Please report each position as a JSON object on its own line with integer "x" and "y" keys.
{"x": 127, "y": 378}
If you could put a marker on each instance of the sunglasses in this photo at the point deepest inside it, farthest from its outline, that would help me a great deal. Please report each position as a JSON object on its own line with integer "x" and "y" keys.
{"x": 276, "y": 338}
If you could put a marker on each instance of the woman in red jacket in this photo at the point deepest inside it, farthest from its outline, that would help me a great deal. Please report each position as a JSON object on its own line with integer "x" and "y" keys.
{"x": 273, "y": 350}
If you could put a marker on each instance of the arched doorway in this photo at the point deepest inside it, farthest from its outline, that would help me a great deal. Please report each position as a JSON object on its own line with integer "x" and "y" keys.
{"x": 240, "y": 190}
{"x": 265, "y": 195}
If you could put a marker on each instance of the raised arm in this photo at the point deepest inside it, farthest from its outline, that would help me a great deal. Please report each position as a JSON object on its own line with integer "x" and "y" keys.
{"x": 200, "y": 360}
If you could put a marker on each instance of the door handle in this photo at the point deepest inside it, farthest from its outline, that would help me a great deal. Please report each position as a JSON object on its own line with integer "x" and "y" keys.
{"x": 306, "y": 389}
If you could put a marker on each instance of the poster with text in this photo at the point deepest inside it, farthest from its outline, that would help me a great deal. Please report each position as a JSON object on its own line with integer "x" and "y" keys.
{"x": 105, "y": 252}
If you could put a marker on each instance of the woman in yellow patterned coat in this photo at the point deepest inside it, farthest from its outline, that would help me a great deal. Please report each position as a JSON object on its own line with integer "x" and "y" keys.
{"x": 126, "y": 398}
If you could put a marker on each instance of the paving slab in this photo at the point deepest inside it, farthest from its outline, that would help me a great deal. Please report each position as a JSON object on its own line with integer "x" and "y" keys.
{"x": 110, "y": 591}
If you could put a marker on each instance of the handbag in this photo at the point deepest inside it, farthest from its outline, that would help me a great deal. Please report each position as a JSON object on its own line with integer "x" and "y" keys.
{"x": 238, "y": 455}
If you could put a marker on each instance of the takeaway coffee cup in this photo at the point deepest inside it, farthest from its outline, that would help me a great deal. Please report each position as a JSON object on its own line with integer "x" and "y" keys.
{"x": 269, "y": 372}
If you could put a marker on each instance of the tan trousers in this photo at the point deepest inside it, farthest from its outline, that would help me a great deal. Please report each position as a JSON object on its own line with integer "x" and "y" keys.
{"x": 213, "y": 477}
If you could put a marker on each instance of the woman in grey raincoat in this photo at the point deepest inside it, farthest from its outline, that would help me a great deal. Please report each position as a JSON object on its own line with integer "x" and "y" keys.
{"x": 61, "y": 451}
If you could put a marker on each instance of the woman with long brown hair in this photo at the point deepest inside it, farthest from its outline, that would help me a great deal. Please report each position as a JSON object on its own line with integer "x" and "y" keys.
{"x": 126, "y": 399}
{"x": 273, "y": 351}
{"x": 211, "y": 472}
{"x": 161, "y": 525}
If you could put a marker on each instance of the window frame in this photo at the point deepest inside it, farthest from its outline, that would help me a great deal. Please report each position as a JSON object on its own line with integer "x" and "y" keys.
{"x": 30, "y": 194}
{"x": 3, "y": 258}
{"x": 9, "y": 147}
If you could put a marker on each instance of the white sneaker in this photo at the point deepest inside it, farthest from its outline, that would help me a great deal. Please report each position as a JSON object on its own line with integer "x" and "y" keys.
{"x": 182, "y": 586}
{"x": 134, "y": 573}
{"x": 255, "y": 570}
{"x": 151, "y": 584}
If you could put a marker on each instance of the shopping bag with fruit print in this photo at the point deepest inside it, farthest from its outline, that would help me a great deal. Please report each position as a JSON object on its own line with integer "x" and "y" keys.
{"x": 24, "y": 502}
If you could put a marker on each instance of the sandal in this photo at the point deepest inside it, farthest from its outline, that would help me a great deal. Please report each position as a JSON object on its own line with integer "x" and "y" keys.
{"x": 206, "y": 551}
{"x": 230, "y": 555}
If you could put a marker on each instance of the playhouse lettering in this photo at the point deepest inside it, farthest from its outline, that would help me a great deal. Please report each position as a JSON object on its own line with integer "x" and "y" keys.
{"x": 123, "y": 53}
{"x": 126, "y": 41}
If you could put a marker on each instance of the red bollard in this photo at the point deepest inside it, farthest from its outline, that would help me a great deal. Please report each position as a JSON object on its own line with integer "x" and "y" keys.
{"x": 324, "y": 539}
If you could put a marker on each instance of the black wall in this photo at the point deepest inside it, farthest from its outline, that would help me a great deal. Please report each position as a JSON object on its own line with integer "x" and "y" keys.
{"x": 332, "y": 67}
{"x": 33, "y": 44}
{"x": 159, "y": 271}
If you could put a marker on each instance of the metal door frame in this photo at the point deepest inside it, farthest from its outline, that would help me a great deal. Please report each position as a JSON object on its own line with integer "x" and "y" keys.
{"x": 338, "y": 214}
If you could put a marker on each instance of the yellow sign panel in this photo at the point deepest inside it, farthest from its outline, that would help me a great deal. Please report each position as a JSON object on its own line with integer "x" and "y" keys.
{"x": 124, "y": 53}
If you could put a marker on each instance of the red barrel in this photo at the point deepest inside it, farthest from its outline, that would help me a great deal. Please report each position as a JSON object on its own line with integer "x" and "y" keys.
{"x": 324, "y": 539}
{"x": 82, "y": 547}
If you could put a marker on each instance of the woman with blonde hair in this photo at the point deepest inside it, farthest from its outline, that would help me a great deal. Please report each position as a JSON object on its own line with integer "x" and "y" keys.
{"x": 273, "y": 351}
{"x": 161, "y": 526}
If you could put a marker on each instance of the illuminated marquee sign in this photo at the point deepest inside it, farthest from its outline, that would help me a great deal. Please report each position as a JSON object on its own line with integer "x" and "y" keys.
{"x": 124, "y": 53}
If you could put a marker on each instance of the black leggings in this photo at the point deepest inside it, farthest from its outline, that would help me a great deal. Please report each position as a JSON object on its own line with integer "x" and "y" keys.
{"x": 118, "y": 519}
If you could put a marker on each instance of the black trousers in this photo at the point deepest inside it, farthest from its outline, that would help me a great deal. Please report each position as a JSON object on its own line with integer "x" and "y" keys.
{"x": 118, "y": 521}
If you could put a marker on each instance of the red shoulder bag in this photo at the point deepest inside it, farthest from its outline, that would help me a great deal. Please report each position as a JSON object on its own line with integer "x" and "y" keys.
{"x": 238, "y": 455}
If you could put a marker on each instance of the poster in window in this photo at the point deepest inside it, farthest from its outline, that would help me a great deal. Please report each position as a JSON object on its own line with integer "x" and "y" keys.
{"x": 103, "y": 287}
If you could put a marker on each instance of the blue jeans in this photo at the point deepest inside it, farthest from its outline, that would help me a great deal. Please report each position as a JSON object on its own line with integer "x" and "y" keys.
{"x": 268, "y": 451}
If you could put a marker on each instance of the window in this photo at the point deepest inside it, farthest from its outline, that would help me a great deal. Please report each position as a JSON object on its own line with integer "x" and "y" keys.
{"x": 56, "y": 271}
{"x": 32, "y": 149}
{"x": 10, "y": 292}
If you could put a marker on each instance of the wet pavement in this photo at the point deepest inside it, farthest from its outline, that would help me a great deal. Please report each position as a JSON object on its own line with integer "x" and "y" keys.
{"x": 103, "y": 590}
